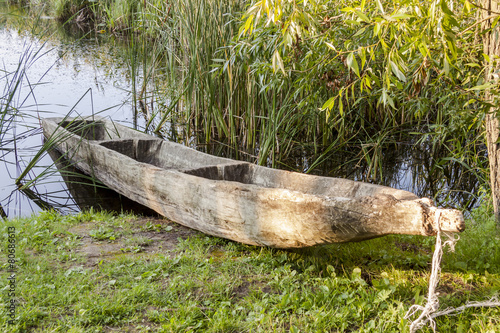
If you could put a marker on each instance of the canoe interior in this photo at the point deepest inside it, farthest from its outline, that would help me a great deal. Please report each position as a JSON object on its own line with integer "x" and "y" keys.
{"x": 169, "y": 155}
{"x": 89, "y": 130}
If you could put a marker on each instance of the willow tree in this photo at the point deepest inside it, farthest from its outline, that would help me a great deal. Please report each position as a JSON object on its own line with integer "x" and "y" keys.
{"x": 412, "y": 63}
{"x": 490, "y": 11}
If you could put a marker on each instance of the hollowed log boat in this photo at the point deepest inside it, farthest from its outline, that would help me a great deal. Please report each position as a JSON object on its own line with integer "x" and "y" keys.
{"x": 237, "y": 200}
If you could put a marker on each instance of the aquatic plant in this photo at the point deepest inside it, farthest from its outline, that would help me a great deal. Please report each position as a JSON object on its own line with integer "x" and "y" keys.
{"x": 11, "y": 103}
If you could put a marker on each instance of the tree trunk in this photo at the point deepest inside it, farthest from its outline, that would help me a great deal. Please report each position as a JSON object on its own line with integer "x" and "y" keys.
{"x": 492, "y": 49}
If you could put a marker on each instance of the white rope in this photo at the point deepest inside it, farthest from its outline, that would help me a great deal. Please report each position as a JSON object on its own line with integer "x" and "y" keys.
{"x": 429, "y": 311}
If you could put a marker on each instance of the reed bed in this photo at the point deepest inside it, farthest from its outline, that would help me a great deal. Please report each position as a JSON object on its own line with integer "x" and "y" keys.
{"x": 220, "y": 82}
{"x": 211, "y": 82}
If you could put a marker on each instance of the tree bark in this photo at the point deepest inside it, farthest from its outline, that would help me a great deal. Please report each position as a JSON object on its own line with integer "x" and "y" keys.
{"x": 491, "y": 47}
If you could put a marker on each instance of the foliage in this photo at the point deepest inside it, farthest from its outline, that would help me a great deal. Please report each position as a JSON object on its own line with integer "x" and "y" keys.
{"x": 400, "y": 62}
{"x": 307, "y": 78}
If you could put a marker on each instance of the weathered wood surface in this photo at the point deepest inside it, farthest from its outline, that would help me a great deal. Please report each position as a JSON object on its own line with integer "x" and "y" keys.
{"x": 91, "y": 194}
{"x": 238, "y": 200}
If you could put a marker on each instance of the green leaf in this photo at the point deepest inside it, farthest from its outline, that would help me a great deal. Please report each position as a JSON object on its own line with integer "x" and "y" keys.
{"x": 367, "y": 82}
{"x": 351, "y": 22}
{"x": 380, "y": 7}
{"x": 352, "y": 63}
{"x": 388, "y": 18}
{"x": 359, "y": 32}
{"x": 495, "y": 22}
{"x": 248, "y": 24}
{"x": 341, "y": 105}
{"x": 386, "y": 99}
{"x": 446, "y": 67}
{"x": 471, "y": 64}
{"x": 399, "y": 16}
{"x": 470, "y": 101}
{"x": 467, "y": 6}
{"x": 331, "y": 46}
{"x": 445, "y": 9}
{"x": 395, "y": 69}
{"x": 362, "y": 16}
{"x": 329, "y": 103}
{"x": 482, "y": 87}
{"x": 362, "y": 56}
{"x": 391, "y": 102}
{"x": 384, "y": 44}
{"x": 278, "y": 62}
{"x": 424, "y": 50}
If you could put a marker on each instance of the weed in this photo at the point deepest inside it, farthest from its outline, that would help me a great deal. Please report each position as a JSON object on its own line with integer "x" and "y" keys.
{"x": 210, "y": 284}
{"x": 102, "y": 233}
{"x": 150, "y": 226}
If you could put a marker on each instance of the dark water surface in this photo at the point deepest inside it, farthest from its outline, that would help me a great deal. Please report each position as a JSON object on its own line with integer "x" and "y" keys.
{"x": 62, "y": 73}
{"x": 86, "y": 73}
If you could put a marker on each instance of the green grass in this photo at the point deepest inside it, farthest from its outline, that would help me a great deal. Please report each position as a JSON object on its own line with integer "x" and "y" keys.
{"x": 183, "y": 281}
{"x": 190, "y": 71}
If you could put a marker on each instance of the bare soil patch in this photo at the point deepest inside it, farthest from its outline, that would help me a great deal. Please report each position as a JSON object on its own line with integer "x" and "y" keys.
{"x": 158, "y": 240}
{"x": 248, "y": 286}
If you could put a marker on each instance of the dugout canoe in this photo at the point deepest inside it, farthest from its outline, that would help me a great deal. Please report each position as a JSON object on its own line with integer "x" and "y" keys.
{"x": 237, "y": 200}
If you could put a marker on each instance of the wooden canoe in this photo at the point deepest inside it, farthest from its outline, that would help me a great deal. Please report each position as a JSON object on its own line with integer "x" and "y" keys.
{"x": 237, "y": 200}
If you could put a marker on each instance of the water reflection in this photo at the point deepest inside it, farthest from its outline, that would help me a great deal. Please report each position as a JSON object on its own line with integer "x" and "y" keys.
{"x": 45, "y": 75}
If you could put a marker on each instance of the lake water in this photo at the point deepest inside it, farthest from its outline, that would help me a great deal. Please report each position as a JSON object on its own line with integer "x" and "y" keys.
{"x": 76, "y": 75}
{"x": 85, "y": 74}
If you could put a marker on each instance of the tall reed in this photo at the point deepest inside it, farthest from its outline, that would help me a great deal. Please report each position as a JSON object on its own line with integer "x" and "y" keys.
{"x": 217, "y": 91}
{"x": 224, "y": 85}
{"x": 12, "y": 115}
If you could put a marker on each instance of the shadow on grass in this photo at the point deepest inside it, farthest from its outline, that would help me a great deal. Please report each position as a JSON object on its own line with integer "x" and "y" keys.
{"x": 476, "y": 252}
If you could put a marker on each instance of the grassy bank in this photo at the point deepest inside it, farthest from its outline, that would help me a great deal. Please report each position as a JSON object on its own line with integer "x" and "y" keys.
{"x": 97, "y": 272}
